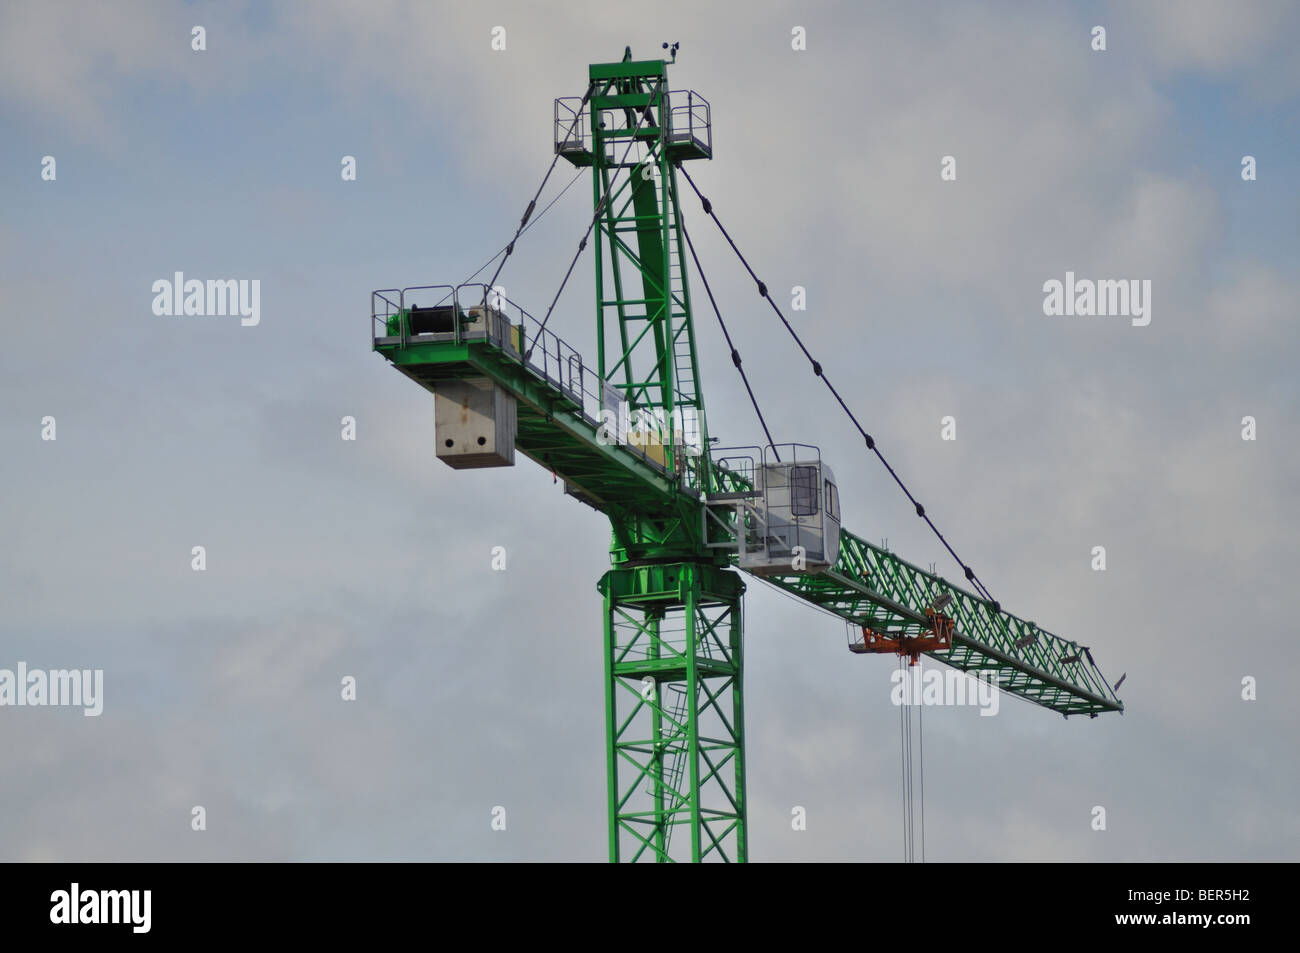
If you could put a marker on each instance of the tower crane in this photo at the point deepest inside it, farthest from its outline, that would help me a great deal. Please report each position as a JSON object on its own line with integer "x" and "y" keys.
{"x": 628, "y": 436}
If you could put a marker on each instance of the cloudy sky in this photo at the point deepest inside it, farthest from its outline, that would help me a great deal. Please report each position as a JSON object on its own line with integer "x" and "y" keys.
{"x": 478, "y": 689}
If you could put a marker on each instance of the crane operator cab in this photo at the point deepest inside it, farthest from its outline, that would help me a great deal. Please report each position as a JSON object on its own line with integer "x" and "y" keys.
{"x": 792, "y": 521}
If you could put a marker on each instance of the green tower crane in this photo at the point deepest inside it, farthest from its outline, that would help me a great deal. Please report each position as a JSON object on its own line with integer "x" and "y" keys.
{"x": 628, "y": 436}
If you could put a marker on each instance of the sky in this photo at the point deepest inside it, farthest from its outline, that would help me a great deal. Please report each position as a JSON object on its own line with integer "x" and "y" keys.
{"x": 479, "y": 689}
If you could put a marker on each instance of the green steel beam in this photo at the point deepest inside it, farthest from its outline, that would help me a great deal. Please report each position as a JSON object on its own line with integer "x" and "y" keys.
{"x": 871, "y": 586}
{"x": 628, "y": 69}
{"x": 551, "y": 430}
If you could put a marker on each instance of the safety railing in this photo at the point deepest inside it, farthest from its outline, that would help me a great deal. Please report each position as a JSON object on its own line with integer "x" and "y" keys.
{"x": 735, "y": 470}
{"x": 685, "y": 114}
{"x": 385, "y": 306}
{"x": 418, "y": 315}
{"x": 730, "y": 515}
{"x": 572, "y": 134}
{"x": 547, "y": 356}
{"x": 543, "y": 353}
{"x": 425, "y": 314}
{"x": 689, "y": 120}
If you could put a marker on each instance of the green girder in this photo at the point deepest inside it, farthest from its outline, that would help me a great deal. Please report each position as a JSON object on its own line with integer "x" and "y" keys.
{"x": 873, "y": 587}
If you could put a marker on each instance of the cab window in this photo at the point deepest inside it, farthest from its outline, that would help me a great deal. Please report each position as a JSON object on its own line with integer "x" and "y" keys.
{"x": 832, "y": 501}
{"x": 803, "y": 491}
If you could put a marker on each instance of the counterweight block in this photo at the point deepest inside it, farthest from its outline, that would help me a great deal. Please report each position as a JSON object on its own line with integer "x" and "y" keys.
{"x": 474, "y": 424}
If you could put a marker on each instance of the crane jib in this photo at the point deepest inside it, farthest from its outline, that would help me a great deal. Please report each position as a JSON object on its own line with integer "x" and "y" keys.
{"x": 871, "y": 586}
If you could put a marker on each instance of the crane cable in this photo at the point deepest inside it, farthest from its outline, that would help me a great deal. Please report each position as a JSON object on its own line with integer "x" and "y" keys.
{"x": 818, "y": 371}
{"x": 533, "y": 222}
{"x": 523, "y": 222}
{"x": 735, "y": 354}
{"x": 600, "y": 209}
{"x": 904, "y": 752}
{"x": 911, "y": 767}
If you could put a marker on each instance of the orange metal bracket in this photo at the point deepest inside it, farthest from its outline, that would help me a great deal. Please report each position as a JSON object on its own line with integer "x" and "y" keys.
{"x": 938, "y": 637}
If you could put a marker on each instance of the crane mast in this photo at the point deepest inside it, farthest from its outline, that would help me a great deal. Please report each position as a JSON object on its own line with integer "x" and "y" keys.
{"x": 672, "y": 606}
{"x": 629, "y": 438}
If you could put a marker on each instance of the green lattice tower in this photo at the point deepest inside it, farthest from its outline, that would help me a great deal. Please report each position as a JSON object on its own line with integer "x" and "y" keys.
{"x": 674, "y": 713}
{"x": 644, "y": 333}
{"x": 672, "y": 610}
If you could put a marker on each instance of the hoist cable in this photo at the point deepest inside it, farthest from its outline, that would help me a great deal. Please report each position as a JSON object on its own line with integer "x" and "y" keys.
{"x": 920, "y": 731}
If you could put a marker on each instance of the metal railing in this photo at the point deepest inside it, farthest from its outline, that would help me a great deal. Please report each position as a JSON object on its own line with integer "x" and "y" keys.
{"x": 685, "y": 114}
{"x": 729, "y": 510}
{"x": 571, "y": 119}
{"x": 735, "y": 470}
{"x": 390, "y": 321}
{"x": 478, "y": 313}
{"x": 689, "y": 121}
{"x": 385, "y": 306}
